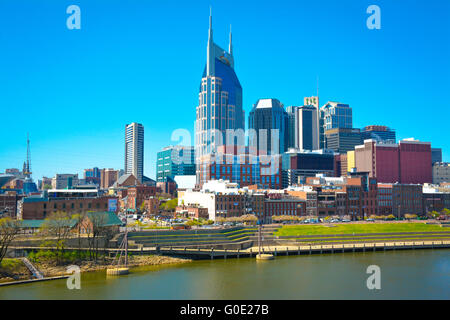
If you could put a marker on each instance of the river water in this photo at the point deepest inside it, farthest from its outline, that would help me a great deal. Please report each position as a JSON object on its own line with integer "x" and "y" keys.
{"x": 409, "y": 274}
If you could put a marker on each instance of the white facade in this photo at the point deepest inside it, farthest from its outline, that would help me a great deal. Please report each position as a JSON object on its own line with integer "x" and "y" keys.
{"x": 185, "y": 182}
{"x": 220, "y": 186}
{"x": 203, "y": 199}
{"x": 134, "y": 150}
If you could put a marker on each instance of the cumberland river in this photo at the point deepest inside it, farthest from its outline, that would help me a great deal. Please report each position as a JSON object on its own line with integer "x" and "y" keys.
{"x": 409, "y": 274}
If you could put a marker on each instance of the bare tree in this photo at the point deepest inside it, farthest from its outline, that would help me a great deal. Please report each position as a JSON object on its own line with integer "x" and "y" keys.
{"x": 79, "y": 218}
{"x": 9, "y": 229}
{"x": 57, "y": 229}
{"x": 96, "y": 227}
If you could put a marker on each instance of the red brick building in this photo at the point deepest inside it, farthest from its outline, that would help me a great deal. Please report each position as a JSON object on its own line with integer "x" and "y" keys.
{"x": 137, "y": 194}
{"x": 37, "y": 208}
{"x": 152, "y": 206}
{"x": 288, "y": 206}
{"x": 192, "y": 212}
{"x": 409, "y": 161}
{"x": 8, "y": 204}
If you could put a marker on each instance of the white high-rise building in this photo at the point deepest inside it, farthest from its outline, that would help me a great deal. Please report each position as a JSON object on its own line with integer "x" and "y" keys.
{"x": 134, "y": 150}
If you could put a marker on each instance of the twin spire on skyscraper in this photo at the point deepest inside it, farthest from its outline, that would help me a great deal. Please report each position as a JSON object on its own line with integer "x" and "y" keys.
{"x": 210, "y": 51}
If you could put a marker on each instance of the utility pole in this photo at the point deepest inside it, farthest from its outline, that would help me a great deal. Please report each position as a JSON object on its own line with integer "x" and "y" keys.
{"x": 126, "y": 247}
{"x": 259, "y": 237}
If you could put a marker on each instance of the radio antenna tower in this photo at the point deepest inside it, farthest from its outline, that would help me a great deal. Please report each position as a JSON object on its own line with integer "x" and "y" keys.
{"x": 27, "y": 171}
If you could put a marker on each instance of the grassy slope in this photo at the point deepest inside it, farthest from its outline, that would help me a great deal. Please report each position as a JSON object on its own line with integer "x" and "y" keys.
{"x": 356, "y": 228}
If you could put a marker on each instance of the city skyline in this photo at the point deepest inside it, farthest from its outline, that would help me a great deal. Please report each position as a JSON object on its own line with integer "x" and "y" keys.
{"x": 88, "y": 142}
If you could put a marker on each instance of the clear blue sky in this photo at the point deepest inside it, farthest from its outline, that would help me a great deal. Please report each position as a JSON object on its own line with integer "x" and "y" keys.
{"x": 74, "y": 90}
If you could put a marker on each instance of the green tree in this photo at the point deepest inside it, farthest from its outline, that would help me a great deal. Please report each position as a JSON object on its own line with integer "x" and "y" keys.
{"x": 171, "y": 204}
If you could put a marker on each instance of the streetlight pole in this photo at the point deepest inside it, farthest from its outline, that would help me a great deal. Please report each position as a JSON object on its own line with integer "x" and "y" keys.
{"x": 259, "y": 237}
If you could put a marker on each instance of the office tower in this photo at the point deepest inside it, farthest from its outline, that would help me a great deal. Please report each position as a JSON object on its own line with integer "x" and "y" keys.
{"x": 108, "y": 177}
{"x": 378, "y": 133}
{"x": 175, "y": 161}
{"x": 405, "y": 162}
{"x": 304, "y": 163}
{"x": 441, "y": 172}
{"x": 269, "y": 120}
{"x": 334, "y": 115}
{"x": 134, "y": 150}
{"x": 314, "y": 102}
{"x": 65, "y": 181}
{"x": 92, "y": 175}
{"x": 321, "y": 130}
{"x": 306, "y": 128}
{"x": 291, "y": 124}
{"x": 220, "y": 101}
{"x": 342, "y": 140}
{"x": 436, "y": 155}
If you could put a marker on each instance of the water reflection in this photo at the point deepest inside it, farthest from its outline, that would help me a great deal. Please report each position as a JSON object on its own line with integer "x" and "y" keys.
{"x": 415, "y": 274}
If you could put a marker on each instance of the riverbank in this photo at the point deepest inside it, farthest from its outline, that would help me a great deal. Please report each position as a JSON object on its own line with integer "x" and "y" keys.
{"x": 52, "y": 270}
{"x": 15, "y": 270}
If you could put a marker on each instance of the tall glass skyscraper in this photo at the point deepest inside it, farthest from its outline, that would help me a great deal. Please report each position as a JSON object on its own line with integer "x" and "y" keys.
{"x": 336, "y": 115}
{"x": 134, "y": 150}
{"x": 270, "y": 122}
{"x": 175, "y": 161}
{"x": 307, "y": 132}
{"x": 220, "y": 101}
{"x": 290, "y": 139}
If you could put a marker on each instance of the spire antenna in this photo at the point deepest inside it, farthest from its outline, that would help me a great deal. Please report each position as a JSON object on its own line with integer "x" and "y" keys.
{"x": 210, "y": 48}
{"x": 210, "y": 17}
{"x": 230, "y": 48}
{"x": 317, "y": 86}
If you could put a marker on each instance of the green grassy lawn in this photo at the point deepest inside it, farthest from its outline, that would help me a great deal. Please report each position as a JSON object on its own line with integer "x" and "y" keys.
{"x": 304, "y": 230}
{"x": 192, "y": 236}
{"x": 362, "y": 240}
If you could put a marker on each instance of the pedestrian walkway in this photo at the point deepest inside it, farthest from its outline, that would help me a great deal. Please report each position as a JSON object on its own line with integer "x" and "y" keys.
{"x": 36, "y": 273}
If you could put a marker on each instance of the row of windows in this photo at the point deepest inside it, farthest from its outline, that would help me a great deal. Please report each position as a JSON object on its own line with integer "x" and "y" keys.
{"x": 72, "y": 206}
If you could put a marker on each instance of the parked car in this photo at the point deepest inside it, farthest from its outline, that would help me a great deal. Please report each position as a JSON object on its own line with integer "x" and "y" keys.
{"x": 370, "y": 219}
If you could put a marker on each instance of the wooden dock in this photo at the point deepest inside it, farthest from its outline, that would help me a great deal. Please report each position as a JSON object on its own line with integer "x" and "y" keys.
{"x": 2, "y": 284}
{"x": 299, "y": 250}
